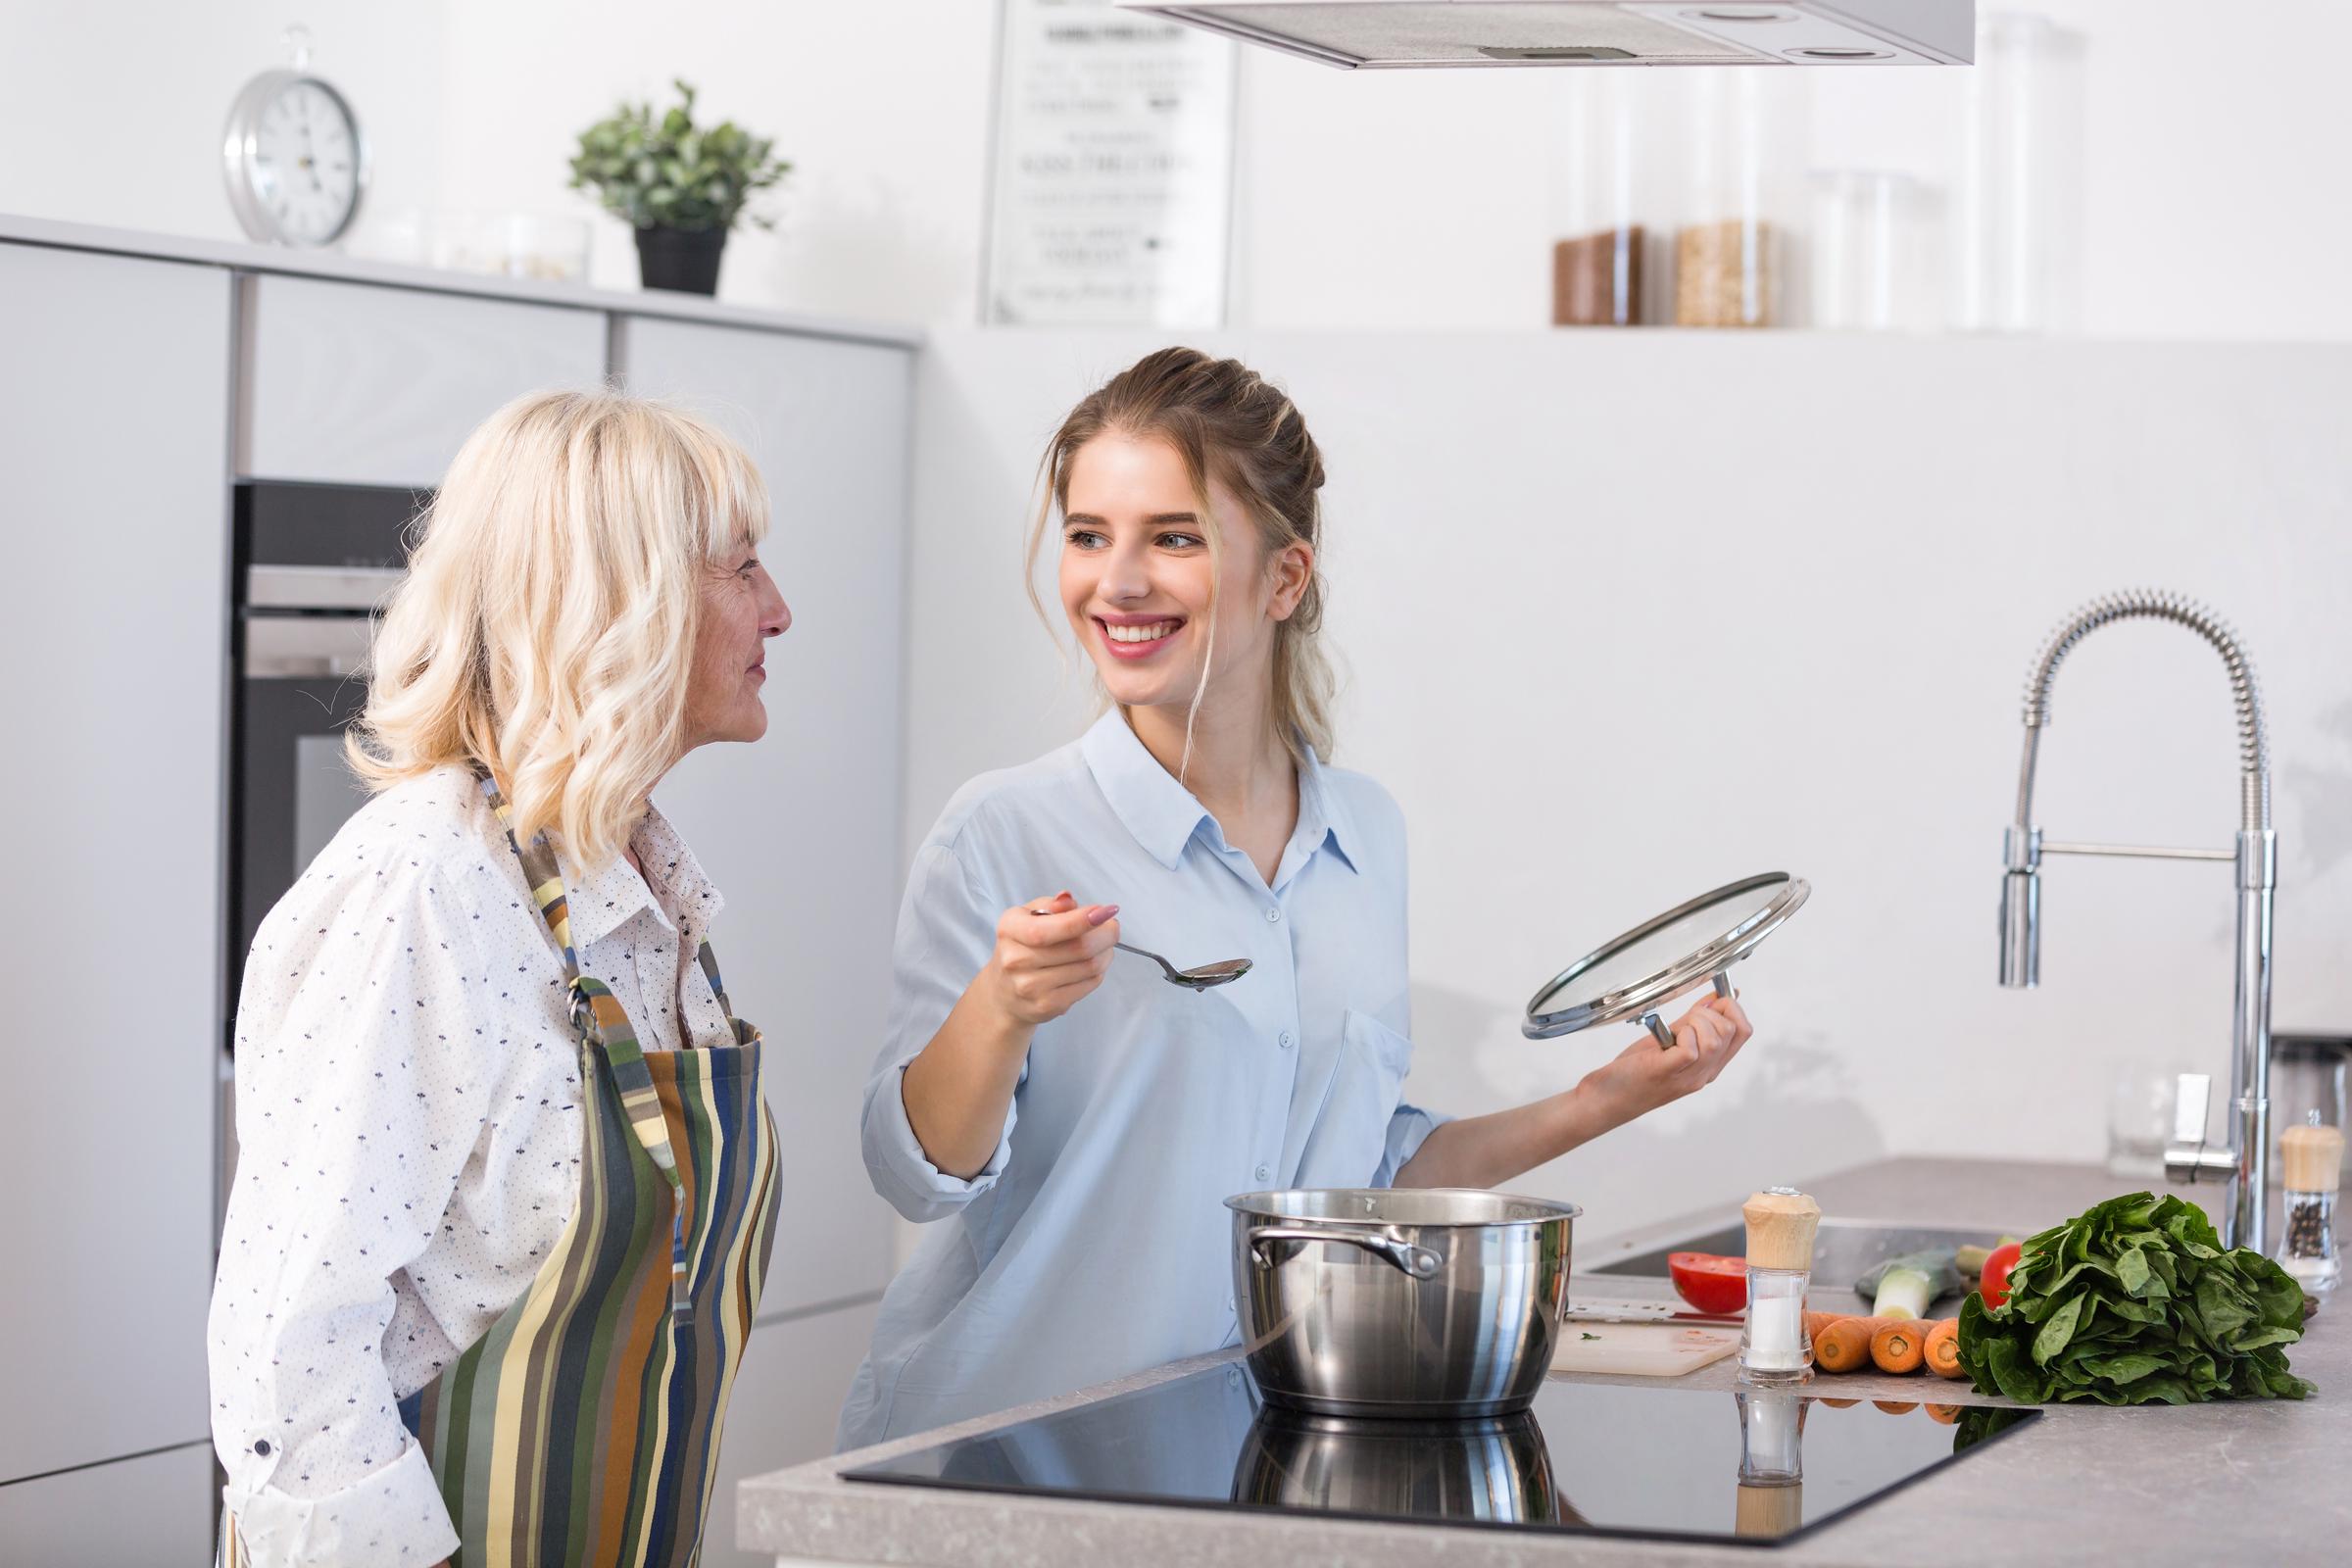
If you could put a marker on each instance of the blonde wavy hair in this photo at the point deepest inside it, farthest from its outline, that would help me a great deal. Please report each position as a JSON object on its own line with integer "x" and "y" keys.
{"x": 546, "y": 628}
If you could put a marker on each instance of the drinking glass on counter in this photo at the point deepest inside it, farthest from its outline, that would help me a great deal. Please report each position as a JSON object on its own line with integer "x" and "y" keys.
{"x": 2139, "y": 1120}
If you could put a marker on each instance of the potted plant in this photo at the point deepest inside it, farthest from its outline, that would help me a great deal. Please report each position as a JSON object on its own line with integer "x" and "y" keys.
{"x": 681, "y": 187}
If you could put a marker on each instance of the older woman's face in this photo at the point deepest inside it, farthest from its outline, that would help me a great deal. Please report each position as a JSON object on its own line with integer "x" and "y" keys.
{"x": 741, "y": 611}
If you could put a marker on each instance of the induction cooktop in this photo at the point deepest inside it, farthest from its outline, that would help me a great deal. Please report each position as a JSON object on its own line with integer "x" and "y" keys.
{"x": 1752, "y": 1467}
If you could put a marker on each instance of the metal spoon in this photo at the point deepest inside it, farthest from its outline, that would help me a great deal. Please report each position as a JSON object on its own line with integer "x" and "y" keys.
{"x": 1207, "y": 977}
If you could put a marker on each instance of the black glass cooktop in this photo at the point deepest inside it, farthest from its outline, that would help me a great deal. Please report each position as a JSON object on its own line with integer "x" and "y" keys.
{"x": 1611, "y": 1458}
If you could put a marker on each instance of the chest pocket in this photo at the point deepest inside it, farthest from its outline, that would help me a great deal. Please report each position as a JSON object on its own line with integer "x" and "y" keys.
{"x": 1350, "y": 1133}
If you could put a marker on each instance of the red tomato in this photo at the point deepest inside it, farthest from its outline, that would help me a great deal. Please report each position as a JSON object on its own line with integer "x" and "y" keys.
{"x": 1710, "y": 1283}
{"x": 1995, "y": 1281}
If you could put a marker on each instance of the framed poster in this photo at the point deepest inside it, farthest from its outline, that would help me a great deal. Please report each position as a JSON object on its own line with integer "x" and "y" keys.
{"x": 1110, "y": 202}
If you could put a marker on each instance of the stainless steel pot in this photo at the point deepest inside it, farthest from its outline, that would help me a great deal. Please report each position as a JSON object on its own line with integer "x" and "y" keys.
{"x": 1413, "y": 1302}
{"x": 1494, "y": 1468}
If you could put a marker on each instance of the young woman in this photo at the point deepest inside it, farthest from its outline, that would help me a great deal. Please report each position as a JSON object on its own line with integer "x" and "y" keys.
{"x": 1071, "y": 1121}
{"x": 506, "y": 1187}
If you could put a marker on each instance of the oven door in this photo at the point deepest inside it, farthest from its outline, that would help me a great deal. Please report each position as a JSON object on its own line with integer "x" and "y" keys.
{"x": 304, "y": 681}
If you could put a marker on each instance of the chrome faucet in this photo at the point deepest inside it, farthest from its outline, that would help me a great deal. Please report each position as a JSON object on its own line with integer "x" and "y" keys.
{"x": 2245, "y": 1163}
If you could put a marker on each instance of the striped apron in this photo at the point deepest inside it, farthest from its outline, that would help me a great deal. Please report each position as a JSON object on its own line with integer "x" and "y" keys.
{"x": 582, "y": 1429}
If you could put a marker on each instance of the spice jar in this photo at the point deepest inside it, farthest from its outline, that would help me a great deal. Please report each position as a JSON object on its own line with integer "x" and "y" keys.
{"x": 1774, "y": 1346}
{"x": 2310, "y": 1160}
{"x": 1732, "y": 252}
{"x": 1603, "y": 186}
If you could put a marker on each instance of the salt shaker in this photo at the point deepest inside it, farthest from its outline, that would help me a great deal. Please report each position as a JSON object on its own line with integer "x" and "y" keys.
{"x": 1772, "y": 1429}
{"x": 1774, "y": 1349}
{"x": 2311, "y": 1160}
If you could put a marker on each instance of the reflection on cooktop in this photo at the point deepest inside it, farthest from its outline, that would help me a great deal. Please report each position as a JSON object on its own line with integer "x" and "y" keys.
{"x": 1756, "y": 1466}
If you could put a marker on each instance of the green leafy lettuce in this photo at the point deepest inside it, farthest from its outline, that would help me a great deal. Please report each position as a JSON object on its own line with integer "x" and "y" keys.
{"x": 2133, "y": 1302}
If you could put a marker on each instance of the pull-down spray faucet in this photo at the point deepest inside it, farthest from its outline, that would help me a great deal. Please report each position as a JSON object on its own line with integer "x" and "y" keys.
{"x": 2245, "y": 1163}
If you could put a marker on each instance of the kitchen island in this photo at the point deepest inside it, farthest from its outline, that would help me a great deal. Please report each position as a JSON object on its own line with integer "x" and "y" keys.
{"x": 2250, "y": 1481}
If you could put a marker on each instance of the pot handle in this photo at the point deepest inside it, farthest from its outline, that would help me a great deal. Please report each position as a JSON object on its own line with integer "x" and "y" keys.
{"x": 1418, "y": 1261}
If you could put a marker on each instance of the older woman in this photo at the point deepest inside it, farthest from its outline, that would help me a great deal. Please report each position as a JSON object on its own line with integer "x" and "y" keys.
{"x": 507, "y": 1186}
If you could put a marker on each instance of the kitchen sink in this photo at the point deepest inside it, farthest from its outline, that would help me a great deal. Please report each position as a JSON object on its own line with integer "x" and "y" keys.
{"x": 1843, "y": 1251}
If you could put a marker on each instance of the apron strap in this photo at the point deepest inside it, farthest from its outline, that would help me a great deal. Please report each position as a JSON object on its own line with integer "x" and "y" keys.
{"x": 601, "y": 1023}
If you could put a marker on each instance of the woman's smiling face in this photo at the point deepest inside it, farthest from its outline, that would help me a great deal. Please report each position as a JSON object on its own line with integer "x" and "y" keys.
{"x": 1137, "y": 582}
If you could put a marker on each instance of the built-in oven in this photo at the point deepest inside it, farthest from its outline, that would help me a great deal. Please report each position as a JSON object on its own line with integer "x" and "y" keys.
{"x": 314, "y": 563}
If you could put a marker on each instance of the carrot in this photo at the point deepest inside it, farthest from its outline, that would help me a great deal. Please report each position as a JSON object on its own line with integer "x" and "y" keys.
{"x": 1896, "y": 1406}
{"x": 1897, "y": 1346}
{"x": 1841, "y": 1404}
{"x": 1843, "y": 1345}
{"x": 1946, "y": 1414}
{"x": 1815, "y": 1322}
{"x": 1943, "y": 1349}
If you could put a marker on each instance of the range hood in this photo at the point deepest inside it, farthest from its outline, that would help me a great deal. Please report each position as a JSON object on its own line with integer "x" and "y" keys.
{"x": 1398, "y": 34}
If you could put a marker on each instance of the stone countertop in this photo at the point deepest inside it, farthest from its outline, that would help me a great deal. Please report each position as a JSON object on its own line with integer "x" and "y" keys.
{"x": 2251, "y": 1482}
{"x": 336, "y": 265}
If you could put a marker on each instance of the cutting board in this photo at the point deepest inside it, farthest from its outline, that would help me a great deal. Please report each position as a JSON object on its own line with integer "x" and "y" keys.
{"x": 1640, "y": 1349}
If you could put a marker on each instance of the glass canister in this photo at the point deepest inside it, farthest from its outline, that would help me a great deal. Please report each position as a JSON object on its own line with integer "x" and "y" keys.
{"x": 2018, "y": 257}
{"x": 1604, "y": 185}
{"x": 1872, "y": 252}
{"x": 1734, "y": 247}
{"x": 2309, "y": 1170}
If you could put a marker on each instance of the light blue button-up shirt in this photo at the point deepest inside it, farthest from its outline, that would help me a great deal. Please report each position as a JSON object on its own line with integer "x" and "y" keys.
{"x": 1095, "y": 1242}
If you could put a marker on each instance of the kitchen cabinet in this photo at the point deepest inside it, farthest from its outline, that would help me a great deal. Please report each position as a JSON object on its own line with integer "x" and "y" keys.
{"x": 348, "y": 383}
{"x": 800, "y": 830}
{"x": 786, "y": 1399}
{"x": 113, "y": 421}
{"x": 156, "y": 1508}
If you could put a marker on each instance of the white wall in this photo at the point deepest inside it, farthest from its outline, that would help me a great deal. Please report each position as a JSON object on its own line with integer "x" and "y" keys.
{"x": 1365, "y": 199}
{"x": 1627, "y": 617}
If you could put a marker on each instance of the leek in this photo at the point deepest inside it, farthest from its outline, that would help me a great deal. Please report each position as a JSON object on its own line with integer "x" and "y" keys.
{"x": 1904, "y": 1287}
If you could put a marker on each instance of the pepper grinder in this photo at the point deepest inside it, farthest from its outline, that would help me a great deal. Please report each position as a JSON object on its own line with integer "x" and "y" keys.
{"x": 1774, "y": 1347}
{"x": 2310, "y": 1161}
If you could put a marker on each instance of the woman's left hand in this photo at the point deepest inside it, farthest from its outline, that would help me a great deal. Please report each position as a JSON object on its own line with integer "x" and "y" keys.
{"x": 1647, "y": 1075}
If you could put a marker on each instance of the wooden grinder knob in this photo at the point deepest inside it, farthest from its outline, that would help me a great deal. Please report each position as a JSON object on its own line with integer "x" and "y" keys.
{"x": 1781, "y": 1223}
{"x": 1769, "y": 1511}
{"x": 2311, "y": 1158}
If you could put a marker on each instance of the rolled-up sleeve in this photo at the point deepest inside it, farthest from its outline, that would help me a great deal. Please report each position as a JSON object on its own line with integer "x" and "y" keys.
{"x": 350, "y": 1146}
{"x": 946, "y": 931}
{"x": 395, "y": 1515}
{"x": 1409, "y": 1128}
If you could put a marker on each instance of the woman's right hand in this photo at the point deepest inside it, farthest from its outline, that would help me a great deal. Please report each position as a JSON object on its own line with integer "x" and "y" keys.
{"x": 1050, "y": 954}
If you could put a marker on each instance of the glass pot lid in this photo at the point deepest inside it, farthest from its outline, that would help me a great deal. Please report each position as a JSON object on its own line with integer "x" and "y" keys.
{"x": 1660, "y": 960}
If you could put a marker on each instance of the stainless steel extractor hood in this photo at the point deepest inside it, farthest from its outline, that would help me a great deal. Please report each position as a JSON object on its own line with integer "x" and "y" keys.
{"x": 1393, "y": 34}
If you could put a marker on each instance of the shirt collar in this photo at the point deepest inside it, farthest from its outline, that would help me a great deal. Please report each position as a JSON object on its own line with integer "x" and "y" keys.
{"x": 674, "y": 884}
{"x": 1163, "y": 816}
{"x": 1323, "y": 814}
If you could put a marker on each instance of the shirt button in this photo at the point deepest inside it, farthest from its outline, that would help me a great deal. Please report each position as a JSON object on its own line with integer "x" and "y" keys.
{"x": 262, "y": 1447}
{"x": 1273, "y": 914}
{"x": 1286, "y": 1040}
{"x": 1262, "y": 1173}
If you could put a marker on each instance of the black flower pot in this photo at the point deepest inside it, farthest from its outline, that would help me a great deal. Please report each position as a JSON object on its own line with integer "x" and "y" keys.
{"x": 681, "y": 259}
